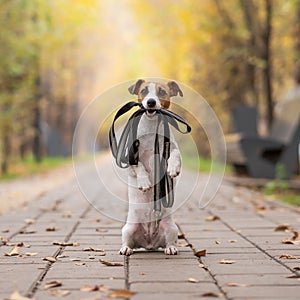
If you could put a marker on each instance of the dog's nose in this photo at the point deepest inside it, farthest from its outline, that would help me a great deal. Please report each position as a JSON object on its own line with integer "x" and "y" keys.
{"x": 151, "y": 103}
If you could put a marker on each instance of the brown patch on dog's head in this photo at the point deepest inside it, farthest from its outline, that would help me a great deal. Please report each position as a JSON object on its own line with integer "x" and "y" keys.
{"x": 163, "y": 92}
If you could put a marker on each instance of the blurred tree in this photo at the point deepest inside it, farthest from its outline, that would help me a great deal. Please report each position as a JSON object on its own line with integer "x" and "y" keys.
{"x": 38, "y": 38}
{"x": 258, "y": 22}
{"x": 297, "y": 42}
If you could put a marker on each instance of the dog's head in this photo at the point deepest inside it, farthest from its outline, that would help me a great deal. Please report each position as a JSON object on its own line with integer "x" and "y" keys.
{"x": 154, "y": 95}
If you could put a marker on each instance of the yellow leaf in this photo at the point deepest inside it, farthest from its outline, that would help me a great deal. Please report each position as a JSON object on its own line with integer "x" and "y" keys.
{"x": 94, "y": 249}
{"x": 52, "y": 284}
{"x": 212, "y": 218}
{"x": 111, "y": 264}
{"x": 16, "y": 296}
{"x": 121, "y": 294}
{"x": 288, "y": 256}
{"x": 89, "y": 288}
{"x": 50, "y": 259}
{"x": 13, "y": 252}
{"x": 30, "y": 253}
{"x": 193, "y": 280}
{"x": 30, "y": 221}
{"x": 235, "y": 284}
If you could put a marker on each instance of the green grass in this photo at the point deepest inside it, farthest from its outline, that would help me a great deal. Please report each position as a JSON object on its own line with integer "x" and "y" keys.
{"x": 22, "y": 168}
{"x": 279, "y": 190}
{"x": 202, "y": 164}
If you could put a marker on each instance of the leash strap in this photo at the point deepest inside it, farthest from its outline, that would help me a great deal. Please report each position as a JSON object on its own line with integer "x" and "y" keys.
{"x": 126, "y": 152}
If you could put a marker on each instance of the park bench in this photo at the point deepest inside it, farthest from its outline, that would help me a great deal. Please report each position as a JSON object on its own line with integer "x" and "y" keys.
{"x": 272, "y": 156}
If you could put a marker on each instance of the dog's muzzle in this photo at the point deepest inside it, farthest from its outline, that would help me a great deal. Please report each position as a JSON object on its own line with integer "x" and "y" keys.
{"x": 150, "y": 109}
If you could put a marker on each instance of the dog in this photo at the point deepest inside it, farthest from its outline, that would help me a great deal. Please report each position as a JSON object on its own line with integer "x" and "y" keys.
{"x": 146, "y": 228}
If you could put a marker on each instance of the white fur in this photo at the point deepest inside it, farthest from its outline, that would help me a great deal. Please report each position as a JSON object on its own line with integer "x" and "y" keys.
{"x": 144, "y": 228}
{"x": 152, "y": 95}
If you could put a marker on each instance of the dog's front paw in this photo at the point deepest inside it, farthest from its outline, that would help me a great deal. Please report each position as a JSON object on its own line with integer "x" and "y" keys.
{"x": 126, "y": 251}
{"x": 171, "y": 250}
{"x": 143, "y": 183}
{"x": 173, "y": 170}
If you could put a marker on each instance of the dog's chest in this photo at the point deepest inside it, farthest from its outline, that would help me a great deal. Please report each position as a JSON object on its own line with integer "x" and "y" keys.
{"x": 146, "y": 134}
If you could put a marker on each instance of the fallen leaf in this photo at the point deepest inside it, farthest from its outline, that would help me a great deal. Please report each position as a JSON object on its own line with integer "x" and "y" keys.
{"x": 50, "y": 259}
{"x": 295, "y": 236}
{"x": 17, "y": 296}
{"x": 260, "y": 209}
{"x": 184, "y": 245}
{"x": 218, "y": 242}
{"x": 59, "y": 293}
{"x": 292, "y": 240}
{"x": 80, "y": 264}
{"x": 193, "y": 280}
{"x": 65, "y": 244}
{"x": 212, "y": 218}
{"x": 210, "y": 294}
{"x": 52, "y": 284}
{"x": 89, "y": 288}
{"x": 5, "y": 231}
{"x": 3, "y": 240}
{"x": 200, "y": 253}
{"x": 203, "y": 266}
{"x": 75, "y": 259}
{"x": 288, "y": 256}
{"x": 21, "y": 244}
{"x": 142, "y": 273}
{"x": 181, "y": 236}
{"x": 27, "y": 231}
{"x": 235, "y": 284}
{"x": 121, "y": 294}
{"x": 13, "y": 252}
{"x": 62, "y": 256}
{"x": 288, "y": 241}
{"x": 104, "y": 288}
{"x": 282, "y": 227}
{"x": 94, "y": 249}
{"x": 296, "y": 268}
{"x": 30, "y": 221}
{"x": 226, "y": 262}
{"x": 111, "y": 264}
{"x": 232, "y": 241}
{"x": 31, "y": 253}
{"x": 51, "y": 229}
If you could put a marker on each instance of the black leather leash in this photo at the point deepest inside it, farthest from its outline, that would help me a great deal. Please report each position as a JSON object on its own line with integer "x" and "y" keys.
{"x": 126, "y": 152}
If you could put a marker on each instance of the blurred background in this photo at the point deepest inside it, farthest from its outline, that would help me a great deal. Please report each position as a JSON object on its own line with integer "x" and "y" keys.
{"x": 56, "y": 56}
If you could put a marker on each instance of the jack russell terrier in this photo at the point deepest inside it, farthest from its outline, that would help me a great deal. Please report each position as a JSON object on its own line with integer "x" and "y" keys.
{"x": 145, "y": 228}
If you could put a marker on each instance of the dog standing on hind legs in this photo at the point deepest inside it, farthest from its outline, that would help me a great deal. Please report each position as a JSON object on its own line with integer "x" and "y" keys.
{"x": 146, "y": 228}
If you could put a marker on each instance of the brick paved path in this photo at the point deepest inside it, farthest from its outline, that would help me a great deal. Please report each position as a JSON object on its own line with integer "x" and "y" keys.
{"x": 243, "y": 260}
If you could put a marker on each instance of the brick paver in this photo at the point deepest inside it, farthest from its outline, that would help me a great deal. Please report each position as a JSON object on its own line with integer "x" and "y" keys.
{"x": 245, "y": 258}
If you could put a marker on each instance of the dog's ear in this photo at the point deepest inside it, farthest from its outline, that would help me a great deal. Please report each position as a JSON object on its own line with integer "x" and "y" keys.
{"x": 134, "y": 89}
{"x": 174, "y": 89}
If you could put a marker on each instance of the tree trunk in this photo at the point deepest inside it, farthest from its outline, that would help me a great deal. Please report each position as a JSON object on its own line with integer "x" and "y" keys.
{"x": 37, "y": 137}
{"x": 6, "y": 150}
{"x": 260, "y": 38}
{"x": 266, "y": 56}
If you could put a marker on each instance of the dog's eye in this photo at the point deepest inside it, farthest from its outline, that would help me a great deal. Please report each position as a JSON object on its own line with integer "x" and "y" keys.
{"x": 144, "y": 92}
{"x": 162, "y": 93}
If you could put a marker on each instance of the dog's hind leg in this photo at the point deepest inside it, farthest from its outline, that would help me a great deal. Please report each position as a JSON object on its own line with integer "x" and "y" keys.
{"x": 170, "y": 231}
{"x": 127, "y": 238}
